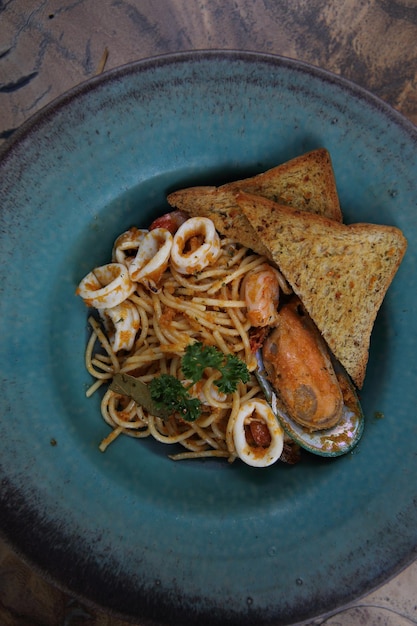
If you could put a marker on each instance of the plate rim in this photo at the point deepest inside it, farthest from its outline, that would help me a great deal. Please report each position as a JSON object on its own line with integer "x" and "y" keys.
{"x": 185, "y": 56}
{"x": 37, "y": 119}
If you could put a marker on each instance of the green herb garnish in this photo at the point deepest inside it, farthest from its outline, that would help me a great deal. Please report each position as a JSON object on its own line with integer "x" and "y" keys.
{"x": 169, "y": 393}
{"x": 232, "y": 371}
{"x": 139, "y": 392}
{"x": 197, "y": 357}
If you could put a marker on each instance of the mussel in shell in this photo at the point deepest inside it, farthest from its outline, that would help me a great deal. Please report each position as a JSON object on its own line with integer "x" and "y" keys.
{"x": 311, "y": 394}
{"x": 299, "y": 368}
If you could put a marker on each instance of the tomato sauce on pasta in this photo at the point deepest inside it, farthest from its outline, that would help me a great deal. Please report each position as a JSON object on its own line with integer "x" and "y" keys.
{"x": 144, "y": 327}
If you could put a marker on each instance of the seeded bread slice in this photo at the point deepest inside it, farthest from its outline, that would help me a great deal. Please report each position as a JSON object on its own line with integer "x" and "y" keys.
{"x": 306, "y": 182}
{"x": 340, "y": 272}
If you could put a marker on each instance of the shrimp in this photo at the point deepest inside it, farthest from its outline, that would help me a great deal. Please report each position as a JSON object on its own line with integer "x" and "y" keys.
{"x": 260, "y": 290}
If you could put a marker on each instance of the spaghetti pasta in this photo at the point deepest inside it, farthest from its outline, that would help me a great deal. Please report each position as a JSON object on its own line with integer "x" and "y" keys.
{"x": 178, "y": 308}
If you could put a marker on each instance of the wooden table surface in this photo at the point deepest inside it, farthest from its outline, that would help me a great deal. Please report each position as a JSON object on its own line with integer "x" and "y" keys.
{"x": 49, "y": 46}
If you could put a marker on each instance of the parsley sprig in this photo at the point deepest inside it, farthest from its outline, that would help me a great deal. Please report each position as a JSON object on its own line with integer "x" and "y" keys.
{"x": 168, "y": 392}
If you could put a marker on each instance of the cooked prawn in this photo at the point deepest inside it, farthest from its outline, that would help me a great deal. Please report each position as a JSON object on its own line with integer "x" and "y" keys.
{"x": 260, "y": 290}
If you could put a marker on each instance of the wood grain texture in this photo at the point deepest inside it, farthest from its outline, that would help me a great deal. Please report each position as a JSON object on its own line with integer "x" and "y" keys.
{"x": 51, "y": 47}
{"x": 47, "y": 47}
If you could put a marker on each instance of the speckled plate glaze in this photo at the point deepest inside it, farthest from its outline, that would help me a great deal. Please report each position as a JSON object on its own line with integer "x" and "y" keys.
{"x": 131, "y": 531}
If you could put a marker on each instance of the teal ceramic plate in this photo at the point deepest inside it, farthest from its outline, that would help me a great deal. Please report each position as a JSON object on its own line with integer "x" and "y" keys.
{"x": 131, "y": 531}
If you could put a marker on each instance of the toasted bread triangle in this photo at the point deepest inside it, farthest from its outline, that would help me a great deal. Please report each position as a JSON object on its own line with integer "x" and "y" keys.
{"x": 340, "y": 272}
{"x": 305, "y": 182}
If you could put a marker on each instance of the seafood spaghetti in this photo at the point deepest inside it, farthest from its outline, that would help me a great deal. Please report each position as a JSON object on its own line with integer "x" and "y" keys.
{"x": 176, "y": 285}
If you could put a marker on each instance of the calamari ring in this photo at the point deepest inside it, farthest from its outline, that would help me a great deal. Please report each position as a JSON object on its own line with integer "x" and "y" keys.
{"x": 196, "y": 258}
{"x": 129, "y": 240}
{"x": 121, "y": 323}
{"x": 106, "y": 286}
{"x": 257, "y": 456}
{"x": 152, "y": 258}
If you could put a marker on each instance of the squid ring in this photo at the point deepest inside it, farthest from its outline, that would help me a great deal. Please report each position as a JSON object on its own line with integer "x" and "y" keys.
{"x": 257, "y": 410}
{"x": 152, "y": 258}
{"x": 106, "y": 286}
{"x": 196, "y": 258}
{"x": 129, "y": 240}
{"x": 121, "y": 323}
